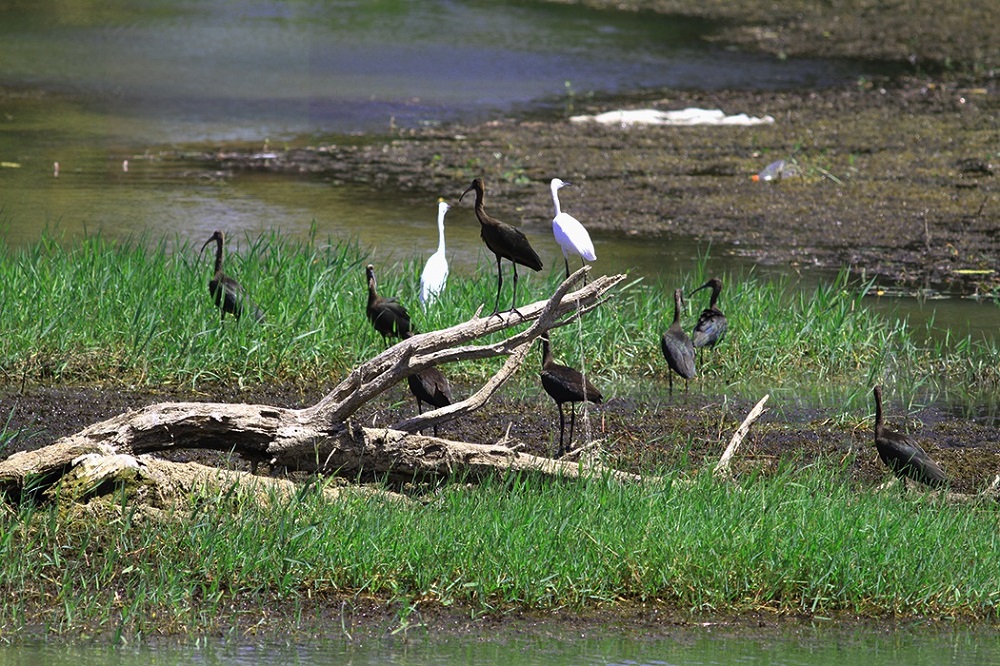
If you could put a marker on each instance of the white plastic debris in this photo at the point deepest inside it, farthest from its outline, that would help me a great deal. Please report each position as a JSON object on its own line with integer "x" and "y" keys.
{"x": 689, "y": 116}
{"x": 777, "y": 170}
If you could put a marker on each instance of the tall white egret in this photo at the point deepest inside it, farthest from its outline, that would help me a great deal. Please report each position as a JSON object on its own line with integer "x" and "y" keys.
{"x": 435, "y": 274}
{"x": 570, "y": 234}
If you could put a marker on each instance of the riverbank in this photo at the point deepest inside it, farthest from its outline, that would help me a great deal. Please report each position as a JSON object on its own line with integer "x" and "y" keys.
{"x": 897, "y": 179}
{"x": 142, "y": 330}
{"x": 949, "y": 36}
{"x": 670, "y": 552}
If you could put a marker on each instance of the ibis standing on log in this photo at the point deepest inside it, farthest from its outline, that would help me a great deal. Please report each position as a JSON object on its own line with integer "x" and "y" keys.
{"x": 565, "y": 384}
{"x": 430, "y": 386}
{"x": 505, "y": 242}
{"x": 902, "y": 454}
{"x": 570, "y": 234}
{"x": 712, "y": 324}
{"x": 677, "y": 347}
{"x": 387, "y": 315}
{"x": 228, "y": 294}
{"x": 435, "y": 274}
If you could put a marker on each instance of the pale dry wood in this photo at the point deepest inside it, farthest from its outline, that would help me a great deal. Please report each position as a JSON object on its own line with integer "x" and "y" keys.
{"x": 722, "y": 467}
{"x": 320, "y": 437}
{"x": 158, "y": 482}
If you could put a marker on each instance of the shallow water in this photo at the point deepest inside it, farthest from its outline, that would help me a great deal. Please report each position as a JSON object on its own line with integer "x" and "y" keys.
{"x": 916, "y": 644}
{"x": 161, "y": 71}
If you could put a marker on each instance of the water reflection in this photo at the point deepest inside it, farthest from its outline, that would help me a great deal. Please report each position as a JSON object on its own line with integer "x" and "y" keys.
{"x": 916, "y": 644}
{"x": 224, "y": 70}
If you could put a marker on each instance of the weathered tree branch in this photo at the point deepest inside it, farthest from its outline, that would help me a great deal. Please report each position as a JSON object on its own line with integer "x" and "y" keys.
{"x": 722, "y": 467}
{"x": 320, "y": 437}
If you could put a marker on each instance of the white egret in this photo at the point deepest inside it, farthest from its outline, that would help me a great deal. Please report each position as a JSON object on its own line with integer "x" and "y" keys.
{"x": 570, "y": 234}
{"x": 435, "y": 274}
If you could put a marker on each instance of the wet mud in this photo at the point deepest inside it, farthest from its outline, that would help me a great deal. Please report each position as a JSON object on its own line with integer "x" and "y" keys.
{"x": 684, "y": 433}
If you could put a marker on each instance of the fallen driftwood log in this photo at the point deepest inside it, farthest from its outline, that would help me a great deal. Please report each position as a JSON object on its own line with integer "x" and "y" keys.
{"x": 321, "y": 438}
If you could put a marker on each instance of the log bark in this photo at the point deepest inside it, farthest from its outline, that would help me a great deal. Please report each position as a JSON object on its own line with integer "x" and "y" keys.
{"x": 321, "y": 438}
{"x": 722, "y": 467}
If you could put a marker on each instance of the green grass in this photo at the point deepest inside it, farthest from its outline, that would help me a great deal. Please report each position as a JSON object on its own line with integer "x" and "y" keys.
{"x": 138, "y": 313}
{"x": 797, "y": 541}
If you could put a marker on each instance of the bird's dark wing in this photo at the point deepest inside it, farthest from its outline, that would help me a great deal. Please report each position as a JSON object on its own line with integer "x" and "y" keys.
{"x": 430, "y": 386}
{"x": 679, "y": 353}
{"x": 390, "y": 318}
{"x": 510, "y": 243}
{"x": 230, "y": 295}
{"x": 905, "y": 457}
{"x": 710, "y": 329}
{"x": 566, "y": 384}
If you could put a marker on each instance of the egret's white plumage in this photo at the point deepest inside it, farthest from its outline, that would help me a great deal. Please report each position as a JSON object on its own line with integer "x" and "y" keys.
{"x": 435, "y": 274}
{"x": 570, "y": 234}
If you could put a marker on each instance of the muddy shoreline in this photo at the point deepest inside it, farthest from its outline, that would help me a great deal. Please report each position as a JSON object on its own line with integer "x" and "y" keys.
{"x": 898, "y": 178}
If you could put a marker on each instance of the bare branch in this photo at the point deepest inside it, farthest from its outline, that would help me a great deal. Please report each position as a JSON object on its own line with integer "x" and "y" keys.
{"x": 723, "y": 465}
{"x": 320, "y": 437}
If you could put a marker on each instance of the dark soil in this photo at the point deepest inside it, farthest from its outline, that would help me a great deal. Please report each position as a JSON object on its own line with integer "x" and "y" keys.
{"x": 898, "y": 179}
{"x": 684, "y": 432}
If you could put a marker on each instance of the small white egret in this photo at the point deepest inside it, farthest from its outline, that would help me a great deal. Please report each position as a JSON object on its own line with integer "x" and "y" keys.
{"x": 435, "y": 274}
{"x": 570, "y": 234}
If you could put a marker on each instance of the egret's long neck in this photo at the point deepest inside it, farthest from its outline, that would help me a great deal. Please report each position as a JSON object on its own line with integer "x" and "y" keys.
{"x": 441, "y": 231}
{"x": 555, "y": 199}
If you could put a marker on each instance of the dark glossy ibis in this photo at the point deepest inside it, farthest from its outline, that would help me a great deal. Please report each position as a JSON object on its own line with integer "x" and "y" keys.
{"x": 505, "y": 242}
{"x": 571, "y": 235}
{"x": 677, "y": 346}
{"x": 387, "y": 315}
{"x": 902, "y": 454}
{"x": 430, "y": 386}
{"x": 565, "y": 384}
{"x": 712, "y": 324}
{"x": 228, "y": 294}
